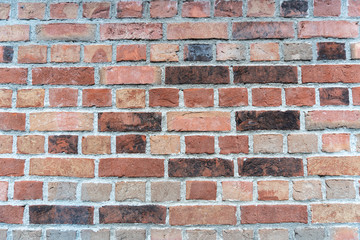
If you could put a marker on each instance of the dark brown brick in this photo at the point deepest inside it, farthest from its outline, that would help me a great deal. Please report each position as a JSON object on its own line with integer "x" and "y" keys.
{"x": 46, "y": 214}
{"x": 265, "y": 74}
{"x": 131, "y": 143}
{"x": 11, "y": 214}
{"x": 286, "y": 167}
{"x": 133, "y": 214}
{"x": 225, "y": 8}
{"x": 331, "y": 51}
{"x": 63, "y": 76}
{"x": 12, "y": 121}
{"x": 187, "y": 167}
{"x": 267, "y": 120}
{"x": 262, "y": 30}
{"x": 12, "y": 167}
{"x": 131, "y": 167}
{"x": 198, "y": 52}
{"x": 6, "y": 54}
{"x": 63, "y": 144}
{"x": 129, "y": 121}
{"x": 294, "y": 8}
{"x": 197, "y": 75}
{"x": 334, "y": 96}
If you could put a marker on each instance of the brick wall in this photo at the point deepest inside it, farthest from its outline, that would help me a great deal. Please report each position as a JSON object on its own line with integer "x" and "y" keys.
{"x": 180, "y": 120}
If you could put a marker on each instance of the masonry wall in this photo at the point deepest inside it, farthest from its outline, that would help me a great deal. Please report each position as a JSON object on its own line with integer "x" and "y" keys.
{"x": 180, "y": 120}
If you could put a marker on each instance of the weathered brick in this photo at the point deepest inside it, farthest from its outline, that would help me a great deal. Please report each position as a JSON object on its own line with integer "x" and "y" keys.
{"x": 200, "y": 167}
{"x": 165, "y": 191}
{"x": 342, "y": 233}
{"x": 13, "y": 75}
{"x": 130, "y": 98}
{"x": 307, "y": 190}
{"x": 300, "y": 96}
{"x": 200, "y": 190}
{"x": 136, "y": 233}
{"x": 67, "y": 167}
{"x": 199, "y": 9}
{"x": 163, "y": 9}
{"x": 237, "y": 190}
{"x": 302, "y": 143}
{"x": 130, "y": 9}
{"x": 294, "y": 8}
{"x": 332, "y": 119}
{"x": 129, "y": 121}
{"x": 6, "y": 142}
{"x": 12, "y": 121}
{"x": 61, "y": 191}
{"x": 61, "y": 121}
{"x": 202, "y": 215}
{"x": 117, "y": 31}
{"x": 165, "y": 144}
{"x": 340, "y": 189}
{"x": 333, "y": 166}
{"x": 198, "y": 97}
{"x": 30, "y": 98}
{"x": 264, "y": 51}
{"x": 3, "y": 232}
{"x": 331, "y": 51}
{"x": 11, "y": 214}
{"x": 131, "y": 143}
{"x": 328, "y": 29}
{"x": 261, "y": 8}
{"x": 96, "y": 145}
{"x": 125, "y": 191}
{"x": 230, "y": 52}
{"x": 4, "y": 11}
{"x": 131, "y": 167}
{"x": 267, "y": 120}
{"x": 200, "y": 144}
{"x": 268, "y": 143}
{"x": 198, "y": 121}
{"x": 297, "y": 51}
{"x": 65, "y": 53}
{"x": 47, "y": 214}
{"x": 327, "y": 8}
{"x": 4, "y": 191}
{"x": 6, "y": 54}
{"x": 102, "y": 234}
{"x": 233, "y": 144}
{"x": 197, "y": 30}
{"x": 273, "y": 234}
{"x": 277, "y": 190}
{"x": 266, "y": 97}
{"x": 66, "y": 32}
{"x": 198, "y": 52}
{"x": 273, "y": 214}
{"x": 63, "y": 76}
{"x": 132, "y": 52}
{"x": 5, "y": 98}
{"x": 30, "y": 144}
{"x": 65, "y": 10}
{"x": 133, "y": 214}
{"x": 95, "y": 192}
{"x": 265, "y": 74}
{"x": 164, "y": 97}
{"x": 96, "y": 10}
{"x": 262, "y": 30}
{"x": 166, "y": 233}
{"x": 96, "y": 97}
{"x": 335, "y": 213}
{"x": 239, "y": 234}
{"x": 27, "y": 190}
{"x": 286, "y": 167}
{"x": 164, "y": 52}
{"x": 54, "y": 234}
{"x": 330, "y": 73}
{"x": 231, "y": 8}
{"x": 31, "y": 10}
{"x": 14, "y": 33}
{"x": 63, "y": 144}
{"x": 334, "y": 96}
{"x": 26, "y": 234}
{"x": 97, "y": 53}
{"x": 130, "y": 75}
{"x": 12, "y": 167}
{"x": 197, "y": 75}
{"x": 32, "y": 54}
{"x": 336, "y": 142}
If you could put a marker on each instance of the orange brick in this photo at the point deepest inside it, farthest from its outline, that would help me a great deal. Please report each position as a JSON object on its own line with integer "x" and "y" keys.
{"x": 200, "y": 190}
{"x": 300, "y": 96}
{"x": 134, "y": 52}
{"x": 165, "y": 144}
{"x": 233, "y": 97}
{"x": 30, "y": 144}
{"x": 197, "y": 30}
{"x": 6, "y": 142}
{"x": 96, "y": 145}
{"x": 237, "y": 190}
{"x": 65, "y": 53}
{"x": 233, "y": 144}
{"x": 96, "y": 97}
{"x": 336, "y": 142}
{"x": 63, "y": 76}
{"x": 164, "y": 97}
{"x": 199, "y": 9}
{"x": 199, "y": 97}
{"x": 130, "y": 98}
{"x": 266, "y": 97}
{"x": 264, "y": 52}
{"x": 30, "y": 98}
{"x": 96, "y": 9}
{"x": 329, "y": 213}
{"x": 328, "y": 29}
{"x": 63, "y": 97}
{"x": 31, "y": 10}
{"x": 97, "y": 53}
{"x": 14, "y": 33}
{"x": 65, "y": 10}
{"x": 130, "y": 9}
{"x": 32, "y": 54}
{"x": 273, "y": 190}
{"x": 130, "y": 75}
{"x": 5, "y": 98}
{"x": 27, "y": 190}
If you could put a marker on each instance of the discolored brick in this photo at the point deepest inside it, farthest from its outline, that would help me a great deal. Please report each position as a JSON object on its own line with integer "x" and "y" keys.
{"x": 164, "y": 52}
{"x": 334, "y": 96}
{"x": 95, "y": 192}
{"x": 6, "y": 54}
{"x": 264, "y": 51}
{"x": 98, "y": 234}
{"x": 62, "y": 191}
{"x": 65, "y": 32}
{"x": 198, "y": 52}
{"x": 26, "y": 234}
{"x": 130, "y": 98}
{"x": 30, "y": 98}
{"x": 302, "y": 143}
{"x": 14, "y": 33}
{"x": 300, "y": 96}
{"x": 201, "y": 234}
{"x": 97, "y": 53}
{"x": 65, "y": 53}
{"x": 4, "y": 11}
{"x": 232, "y": 8}
{"x": 130, "y": 143}
{"x": 261, "y": 8}
{"x": 265, "y": 74}
{"x": 233, "y": 97}
{"x": 130, "y": 9}
{"x": 340, "y": 189}
{"x": 335, "y": 213}
{"x": 304, "y": 190}
{"x": 297, "y": 51}
{"x": 65, "y": 10}
{"x": 165, "y": 191}
{"x": 239, "y": 234}
{"x": 275, "y": 190}
{"x": 125, "y": 191}
{"x": 331, "y": 119}
{"x": 63, "y": 97}
{"x": 4, "y": 186}
{"x": 262, "y": 30}
{"x": 294, "y": 8}
{"x": 331, "y": 51}
{"x": 268, "y": 143}
{"x": 342, "y": 233}
{"x": 166, "y": 233}
{"x": 13, "y": 75}
{"x": 197, "y": 75}
{"x": 135, "y": 234}
{"x": 31, "y": 10}
{"x": 63, "y": 144}
{"x": 96, "y": 10}
{"x": 54, "y": 234}
{"x": 230, "y": 52}
{"x": 335, "y": 142}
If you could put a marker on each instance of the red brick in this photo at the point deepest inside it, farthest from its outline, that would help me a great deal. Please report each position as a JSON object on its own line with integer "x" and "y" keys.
{"x": 96, "y": 97}
{"x": 276, "y": 190}
{"x": 273, "y": 214}
{"x": 261, "y": 8}
{"x": 327, "y": 8}
{"x": 200, "y": 190}
{"x": 66, "y": 32}
{"x": 96, "y": 9}
{"x": 30, "y": 144}
{"x": 4, "y": 11}
{"x": 131, "y": 167}
{"x": 334, "y": 166}
{"x": 63, "y": 97}
{"x": 65, "y": 10}
{"x": 130, "y": 9}
{"x": 332, "y": 119}
{"x": 335, "y": 213}
{"x": 300, "y": 96}
{"x": 266, "y": 97}
{"x": 356, "y": 95}
{"x": 12, "y": 121}
{"x": 96, "y": 145}
{"x": 12, "y": 167}
{"x": 130, "y": 75}
{"x": 66, "y": 167}
{"x": 11, "y": 214}
{"x": 199, "y": 144}
{"x": 328, "y": 29}
{"x": 163, "y": 9}
{"x": 164, "y": 52}
{"x": 6, "y": 54}
{"x": 31, "y": 10}
{"x": 63, "y": 76}
{"x": 13, "y": 75}
{"x": 344, "y": 233}
{"x": 237, "y": 190}
{"x": 334, "y": 96}
{"x": 131, "y": 143}
{"x": 129, "y": 121}
{"x": 202, "y": 215}
{"x": 336, "y": 142}
{"x": 4, "y": 190}
{"x": 32, "y": 54}
{"x": 353, "y": 8}
{"x": 264, "y": 52}
{"x": 130, "y": 98}
{"x": 27, "y": 190}
{"x": 330, "y": 73}
{"x": 197, "y": 30}
{"x": 233, "y": 144}
{"x": 232, "y": 8}
{"x": 14, "y": 33}
{"x": 63, "y": 144}
{"x": 198, "y": 9}
{"x": 198, "y": 121}
{"x": 262, "y": 30}
{"x": 65, "y": 53}
{"x": 61, "y": 121}
{"x": 133, "y": 52}
{"x": 5, "y": 98}
{"x": 117, "y": 31}
{"x": 6, "y": 142}
{"x": 164, "y": 97}
{"x": 199, "y": 97}
{"x": 233, "y": 97}
{"x": 97, "y": 53}
{"x": 265, "y": 74}
{"x": 30, "y": 98}
{"x": 197, "y": 75}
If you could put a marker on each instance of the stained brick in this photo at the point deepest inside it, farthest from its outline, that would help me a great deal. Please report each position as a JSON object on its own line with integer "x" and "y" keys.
{"x": 96, "y": 10}
{"x": 117, "y": 31}
{"x": 232, "y": 8}
{"x": 197, "y": 75}
{"x": 131, "y": 143}
{"x": 63, "y": 144}
{"x": 63, "y": 76}
{"x": 262, "y": 30}
{"x": 294, "y": 8}
{"x": 66, "y": 10}
{"x": 265, "y": 74}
